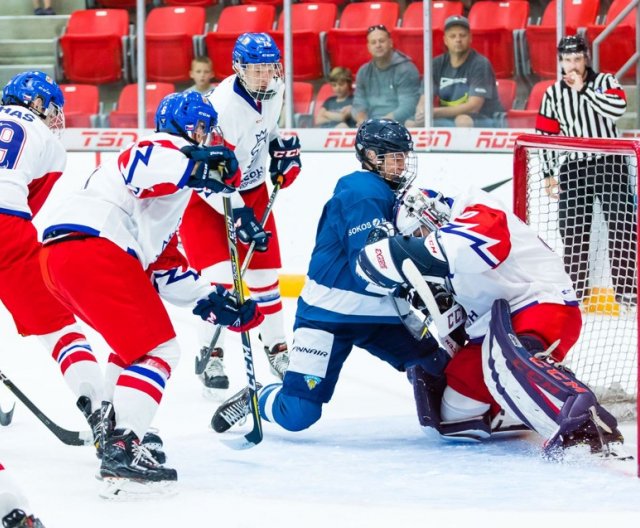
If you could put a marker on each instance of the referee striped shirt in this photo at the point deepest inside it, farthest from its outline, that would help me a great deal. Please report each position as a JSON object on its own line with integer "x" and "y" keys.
{"x": 590, "y": 112}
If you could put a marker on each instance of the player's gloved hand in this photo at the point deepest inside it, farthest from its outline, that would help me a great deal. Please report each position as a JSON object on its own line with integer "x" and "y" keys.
{"x": 221, "y": 308}
{"x": 218, "y": 170}
{"x": 249, "y": 229}
{"x": 383, "y": 230}
{"x": 285, "y": 160}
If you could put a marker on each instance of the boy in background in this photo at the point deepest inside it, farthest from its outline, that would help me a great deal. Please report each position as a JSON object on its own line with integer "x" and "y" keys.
{"x": 200, "y": 73}
{"x": 336, "y": 110}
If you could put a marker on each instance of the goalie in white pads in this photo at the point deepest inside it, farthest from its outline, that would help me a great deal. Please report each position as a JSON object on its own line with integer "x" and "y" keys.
{"x": 522, "y": 320}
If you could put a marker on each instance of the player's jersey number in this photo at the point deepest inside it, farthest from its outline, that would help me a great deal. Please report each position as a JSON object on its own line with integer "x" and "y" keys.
{"x": 12, "y": 140}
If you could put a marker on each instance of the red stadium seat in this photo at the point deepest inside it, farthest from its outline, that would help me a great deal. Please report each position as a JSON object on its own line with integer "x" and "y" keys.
{"x": 197, "y": 3}
{"x": 507, "y": 89}
{"x": 347, "y": 44}
{"x": 275, "y": 3}
{"x": 409, "y": 38}
{"x": 617, "y": 47}
{"x": 171, "y": 41}
{"x": 336, "y": 2}
{"x": 323, "y": 94}
{"x": 310, "y": 22}
{"x": 541, "y": 40}
{"x": 527, "y": 118}
{"x": 233, "y": 21}
{"x": 493, "y": 27}
{"x": 116, "y": 4}
{"x": 302, "y": 97}
{"x": 95, "y": 45}
{"x": 126, "y": 113}
{"x": 81, "y": 105}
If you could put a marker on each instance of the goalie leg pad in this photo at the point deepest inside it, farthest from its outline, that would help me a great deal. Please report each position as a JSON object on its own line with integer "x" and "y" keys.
{"x": 427, "y": 392}
{"x": 545, "y": 396}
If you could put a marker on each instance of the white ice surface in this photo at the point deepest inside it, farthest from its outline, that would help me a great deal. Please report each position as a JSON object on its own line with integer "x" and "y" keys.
{"x": 366, "y": 463}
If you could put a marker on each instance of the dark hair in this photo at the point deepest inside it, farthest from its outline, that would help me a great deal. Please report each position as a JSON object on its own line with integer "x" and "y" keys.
{"x": 378, "y": 27}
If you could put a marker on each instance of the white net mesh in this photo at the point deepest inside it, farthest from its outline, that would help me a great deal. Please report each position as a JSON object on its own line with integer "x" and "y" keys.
{"x": 592, "y": 223}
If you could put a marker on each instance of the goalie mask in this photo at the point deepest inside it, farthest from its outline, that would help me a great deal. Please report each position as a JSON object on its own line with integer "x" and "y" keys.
{"x": 419, "y": 212}
{"x": 39, "y": 93}
{"x": 385, "y": 146}
{"x": 256, "y": 61}
{"x": 189, "y": 115}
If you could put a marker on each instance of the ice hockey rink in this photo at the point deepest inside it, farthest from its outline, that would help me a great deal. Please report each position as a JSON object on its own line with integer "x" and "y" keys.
{"x": 366, "y": 463}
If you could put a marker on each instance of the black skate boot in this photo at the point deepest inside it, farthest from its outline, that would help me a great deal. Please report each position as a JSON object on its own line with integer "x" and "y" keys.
{"x": 233, "y": 411}
{"x": 153, "y": 443}
{"x": 129, "y": 470}
{"x": 278, "y": 358}
{"x": 101, "y": 421}
{"x": 19, "y": 519}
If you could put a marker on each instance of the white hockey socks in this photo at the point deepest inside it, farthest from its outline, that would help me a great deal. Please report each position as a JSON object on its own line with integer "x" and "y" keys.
{"x": 111, "y": 374}
{"x": 140, "y": 388}
{"x": 456, "y": 406}
{"x": 71, "y": 350}
{"x": 264, "y": 288}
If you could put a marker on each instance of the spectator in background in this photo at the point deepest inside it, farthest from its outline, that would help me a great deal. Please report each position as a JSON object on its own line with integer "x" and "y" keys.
{"x": 463, "y": 82}
{"x": 387, "y": 86}
{"x": 44, "y": 10}
{"x": 336, "y": 110}
{"x": 200, "y": 73}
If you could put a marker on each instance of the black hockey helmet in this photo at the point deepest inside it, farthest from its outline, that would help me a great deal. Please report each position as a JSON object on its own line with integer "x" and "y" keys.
{"x": 573, "y": 44}
{"x": 386, "y": 136}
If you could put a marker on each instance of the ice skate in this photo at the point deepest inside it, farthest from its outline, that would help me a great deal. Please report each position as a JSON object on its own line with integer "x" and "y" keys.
{"x": 214, "y": 378}
{"x": 101, "y": 421}
{"x": 130, "y": 471}
{"x": 278, "y": 357}
{"x": 233, "y": 411}
{"x": 19, "y": 519}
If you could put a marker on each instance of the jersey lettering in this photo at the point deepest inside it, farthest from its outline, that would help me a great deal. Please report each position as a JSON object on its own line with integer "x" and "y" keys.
{"x": 12, "y": 142}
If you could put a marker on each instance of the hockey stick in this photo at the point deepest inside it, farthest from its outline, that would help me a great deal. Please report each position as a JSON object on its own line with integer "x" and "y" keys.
{"x": 253, "y": 437}
{"x": 6, "y": 417}
{"x": 74, "y": 438}
{"x": 205, "y": 353}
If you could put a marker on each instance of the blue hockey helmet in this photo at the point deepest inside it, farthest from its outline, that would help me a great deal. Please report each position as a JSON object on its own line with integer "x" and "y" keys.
{"x": 385, "y": 146}
{"x": 187, "y": 114}
{"x": 39, "y": 93}
{"x": 256, "y": 61}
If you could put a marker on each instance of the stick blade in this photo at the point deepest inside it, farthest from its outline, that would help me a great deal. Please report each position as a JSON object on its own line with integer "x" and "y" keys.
{"x": 6, "y": 417}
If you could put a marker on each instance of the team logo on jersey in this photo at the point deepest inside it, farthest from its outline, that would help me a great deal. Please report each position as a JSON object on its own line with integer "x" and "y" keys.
{"x": 312, "y": 381}
{"x": 261, "y": 138}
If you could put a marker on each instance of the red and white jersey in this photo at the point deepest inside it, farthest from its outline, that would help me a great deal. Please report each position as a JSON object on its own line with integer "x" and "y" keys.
{"x": 32, "y": 158}
{"x": 136, "y": 200}
{"x": 248, "y": 127}
{"x": 493, "y": 255}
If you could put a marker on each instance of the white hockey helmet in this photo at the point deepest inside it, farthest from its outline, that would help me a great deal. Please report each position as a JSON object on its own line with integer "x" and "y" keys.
{"x": 421, "y": 211}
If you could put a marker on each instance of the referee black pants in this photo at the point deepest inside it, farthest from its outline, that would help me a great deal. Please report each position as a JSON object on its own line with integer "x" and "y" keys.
{"x": 582, "y": 182}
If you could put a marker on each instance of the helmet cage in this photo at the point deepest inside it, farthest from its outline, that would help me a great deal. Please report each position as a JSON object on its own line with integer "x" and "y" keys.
{"x": 417, "y": 208}
{"x": 188, "y": 114}
{"x": 256, "y": 61}
{"x": 398, "y": 168}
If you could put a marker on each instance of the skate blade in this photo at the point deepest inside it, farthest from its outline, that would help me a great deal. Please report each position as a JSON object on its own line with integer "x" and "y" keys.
{"x": 217, "y": 395}
{"x": 122, "y": 489}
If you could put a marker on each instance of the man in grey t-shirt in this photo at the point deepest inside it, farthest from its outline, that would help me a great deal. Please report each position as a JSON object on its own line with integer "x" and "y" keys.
{"x": 463, "y": 82}
{"x": 388, "y": 85}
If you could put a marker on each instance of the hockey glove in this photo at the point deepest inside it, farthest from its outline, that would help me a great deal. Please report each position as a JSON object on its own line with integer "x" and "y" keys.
{"x": 218, "y": 170}
{"x": 221, "y": 308}
{"x": 249, "y": 229}
{"x": 285, "y": 160}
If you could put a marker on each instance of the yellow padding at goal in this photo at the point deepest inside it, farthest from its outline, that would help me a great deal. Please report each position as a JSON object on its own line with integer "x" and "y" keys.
{"x": 601, "y": 301}
{"x": 290, "y": 285}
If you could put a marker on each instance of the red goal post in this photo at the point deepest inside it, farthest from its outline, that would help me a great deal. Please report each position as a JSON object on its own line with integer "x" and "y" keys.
{"x": 594, "y": 227}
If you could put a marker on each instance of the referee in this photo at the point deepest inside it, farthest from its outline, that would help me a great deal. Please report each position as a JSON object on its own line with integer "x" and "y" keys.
{"x": 585, "y": 103}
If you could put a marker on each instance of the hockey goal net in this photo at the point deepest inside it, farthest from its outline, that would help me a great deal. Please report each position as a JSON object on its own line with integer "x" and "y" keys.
{"x": 591, "y": 221}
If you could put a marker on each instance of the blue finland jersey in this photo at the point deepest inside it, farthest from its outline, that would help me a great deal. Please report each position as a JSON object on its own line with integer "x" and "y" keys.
{"x": 361, "y": 201}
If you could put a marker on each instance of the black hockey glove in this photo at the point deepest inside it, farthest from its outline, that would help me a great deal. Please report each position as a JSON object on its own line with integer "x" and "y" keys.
{"x": 285, "y": 160}
{"x": 249, "y": 229}
{"x": 218, "y": 170}
{"x": 221, "y": 308}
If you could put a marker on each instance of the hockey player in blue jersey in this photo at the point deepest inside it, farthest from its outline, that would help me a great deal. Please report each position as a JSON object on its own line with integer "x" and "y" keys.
{"x": 338, "y": 310}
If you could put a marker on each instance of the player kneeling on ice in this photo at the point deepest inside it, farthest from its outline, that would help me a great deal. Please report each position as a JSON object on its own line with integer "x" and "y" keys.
{"x": 337, "y": 309}
{"x": 522, "y": 319}
{"x": 102, "y": 245}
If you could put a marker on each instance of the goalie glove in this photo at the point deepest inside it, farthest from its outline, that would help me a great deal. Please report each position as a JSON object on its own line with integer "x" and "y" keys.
{"x": 218, "y": 170}
{"x": 249, "y": 229}
{"x": 221, "y": 308}
{"x": 285, "y": 160}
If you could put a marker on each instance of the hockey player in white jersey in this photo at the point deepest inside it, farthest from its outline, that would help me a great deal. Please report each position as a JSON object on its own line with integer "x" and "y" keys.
{"x": 14, "y": 506}
{"x": 32, "y": 159}
{"x": 109, "y": 253}
{"x": 249, "y": 104}
{"x": 522, "y": 318}
{"x": 337, "y": 309}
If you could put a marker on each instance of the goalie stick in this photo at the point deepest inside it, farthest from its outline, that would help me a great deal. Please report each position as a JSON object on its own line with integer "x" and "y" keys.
{"x": 74, "y": 438}
{"x": 253, "y": 437}
{"x": 445, "y": 322}
{"x": 205, "y": 353}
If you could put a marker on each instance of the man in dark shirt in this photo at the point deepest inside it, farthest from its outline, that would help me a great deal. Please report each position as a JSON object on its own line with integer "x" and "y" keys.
{"x": 463, "y": 82}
